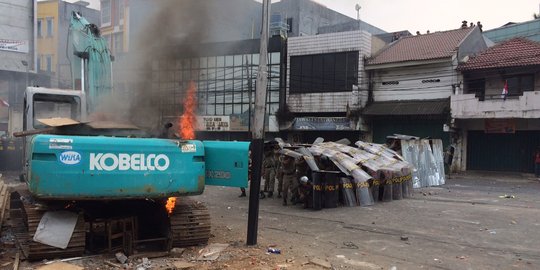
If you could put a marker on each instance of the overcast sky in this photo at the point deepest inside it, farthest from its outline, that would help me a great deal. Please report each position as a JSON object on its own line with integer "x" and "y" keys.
{"x": 433, "y": 15}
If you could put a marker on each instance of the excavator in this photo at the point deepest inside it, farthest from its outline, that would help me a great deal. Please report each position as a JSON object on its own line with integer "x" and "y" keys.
{"x": 94, "y": 186}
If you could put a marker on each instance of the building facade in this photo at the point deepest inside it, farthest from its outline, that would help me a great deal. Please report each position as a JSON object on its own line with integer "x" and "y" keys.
{"x": 53, "y": 44}
{"x": 411, "y": 82}
{"x": 224, "y": 75}
{"x": 499, "y": 131}
{"x": 217, "y": 52}
{"x": 326, "y": 83}
{"x": 18, "y": 60}
{"x": 529, "y": 29}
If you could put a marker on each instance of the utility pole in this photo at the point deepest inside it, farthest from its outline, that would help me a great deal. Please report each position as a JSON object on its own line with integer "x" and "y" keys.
{"x": 257, "y": 143}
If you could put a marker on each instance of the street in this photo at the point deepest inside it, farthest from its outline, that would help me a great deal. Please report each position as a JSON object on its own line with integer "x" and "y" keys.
{"x": 462, "y": 225}
{"x": 475, "y": 221}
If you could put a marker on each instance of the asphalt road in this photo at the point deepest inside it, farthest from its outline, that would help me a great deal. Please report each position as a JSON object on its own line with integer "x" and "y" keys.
{"x": 461, "y": 225}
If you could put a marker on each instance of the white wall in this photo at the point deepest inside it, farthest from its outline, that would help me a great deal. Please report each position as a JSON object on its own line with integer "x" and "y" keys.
{"x": 467, "y": 106}
{"x": 328, "y": 43}
{"x": 413, "y": 82}
{"x": 17, "y": 23}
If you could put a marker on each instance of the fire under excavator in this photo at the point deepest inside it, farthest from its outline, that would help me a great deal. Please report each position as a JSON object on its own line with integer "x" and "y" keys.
{"x": 94, "y": 186}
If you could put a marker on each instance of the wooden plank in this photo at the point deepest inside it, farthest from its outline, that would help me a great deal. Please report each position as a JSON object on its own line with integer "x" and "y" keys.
{"x": 16, "y": 263}
{"x": 33, "y": 132}
{"x": 3, "y": 201}
{"x": 58, "y": 121}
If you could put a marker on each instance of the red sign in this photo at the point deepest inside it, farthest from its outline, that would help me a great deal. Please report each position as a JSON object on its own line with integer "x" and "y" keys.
{"x": 499, "y": 126}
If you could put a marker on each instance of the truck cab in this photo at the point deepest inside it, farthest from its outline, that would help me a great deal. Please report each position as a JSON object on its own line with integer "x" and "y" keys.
{"x": 43, "y": 103}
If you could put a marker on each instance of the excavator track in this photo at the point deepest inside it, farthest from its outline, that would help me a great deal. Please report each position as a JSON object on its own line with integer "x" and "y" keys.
{"x": 190, "y": 223}
{"x": 30, "y": 217}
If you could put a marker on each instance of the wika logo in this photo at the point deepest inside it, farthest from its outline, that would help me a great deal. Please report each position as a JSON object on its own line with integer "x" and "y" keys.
{"x": 70, "y": 157}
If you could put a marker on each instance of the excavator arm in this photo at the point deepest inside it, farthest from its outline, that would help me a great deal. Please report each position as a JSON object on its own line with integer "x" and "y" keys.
{"x": 91, "y": 60}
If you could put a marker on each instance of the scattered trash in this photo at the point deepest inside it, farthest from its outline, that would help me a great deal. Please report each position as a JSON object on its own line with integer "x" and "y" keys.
{"x": 274, "y": 251}
{"x": 121, "y": 257}
{"x": 461, "y": 257}
{"x": 393, "y": 268}
{"x": 321, "y": 263}
{"x": 350, "y": 245}
{"x": 506, "y": 196}
{"x": 492, "y": 232}
{"x": 177, "y": 251}
{"x": 146, "y": 264}
{"x": 55, "y": 228}
{"x": 212, "y": 252}
{"x": 109, "y": 263}
{"x": 404, "y": 238}
{"x": 340, "y": 256}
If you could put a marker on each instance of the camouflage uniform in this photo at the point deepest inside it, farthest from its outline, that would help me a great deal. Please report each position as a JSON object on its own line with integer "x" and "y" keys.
{"x": 269, "y": 172}
{"x": 304, "y": 189}
{"x": 289, "y": 177}
{"x": 279, "y": 175}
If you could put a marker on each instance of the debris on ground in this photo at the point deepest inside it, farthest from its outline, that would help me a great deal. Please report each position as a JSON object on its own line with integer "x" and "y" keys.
{"x": 506, "y": 196}
{"x": 404, "y": 238}
{"x": 60, "y": 266}
{"x": 321, "y": 263}
{"x": 349, "y": 245}
{"x": 183, "y": 265}
{"x": 121, "y": 257}
{"x": 211, "y": 252}
{"x": 176, "y": 252}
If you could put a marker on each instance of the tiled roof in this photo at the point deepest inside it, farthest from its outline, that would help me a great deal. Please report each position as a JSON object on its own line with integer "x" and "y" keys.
{"x": 516, "y": 52}
{"x": 409, "y": 107}
{"x": 422, "y": 47}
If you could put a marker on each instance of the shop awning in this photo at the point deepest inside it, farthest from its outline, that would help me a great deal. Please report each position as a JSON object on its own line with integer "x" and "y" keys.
{"x": 409, "y": 107}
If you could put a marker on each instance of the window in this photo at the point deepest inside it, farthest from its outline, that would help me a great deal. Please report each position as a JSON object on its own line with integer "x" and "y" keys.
{"x": 105, "y": 12}
{"x": 49, "y": 63}
{"x": 476, "y": 86}
{"x": 330, "y": 72}
{"x": 50, "y": 26}
{"x": 59, "y": 106}
{"x": 289, "y": 25}
{"x": 39, "y": 28}
{"x": 518, "y": 84}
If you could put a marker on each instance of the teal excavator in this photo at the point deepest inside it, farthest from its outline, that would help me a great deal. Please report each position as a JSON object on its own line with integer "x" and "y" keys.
{"x": 94, "y": 186}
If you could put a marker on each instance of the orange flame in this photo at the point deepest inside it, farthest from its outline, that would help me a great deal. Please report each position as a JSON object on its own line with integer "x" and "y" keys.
{"x": 171, "y": 202}
{"x": 188, "y": 121}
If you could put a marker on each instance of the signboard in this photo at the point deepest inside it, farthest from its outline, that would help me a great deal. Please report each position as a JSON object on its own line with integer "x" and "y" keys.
{"x": 213, "y": 123}
{"x": 233, "y": 122}
{"x": 499, "y": 126}
{"x": 322, "y": 123}
{"x": 20, "y": 46}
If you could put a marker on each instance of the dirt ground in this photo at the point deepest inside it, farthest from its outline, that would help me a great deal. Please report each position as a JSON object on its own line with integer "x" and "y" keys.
{"x": 468, "y": 223}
